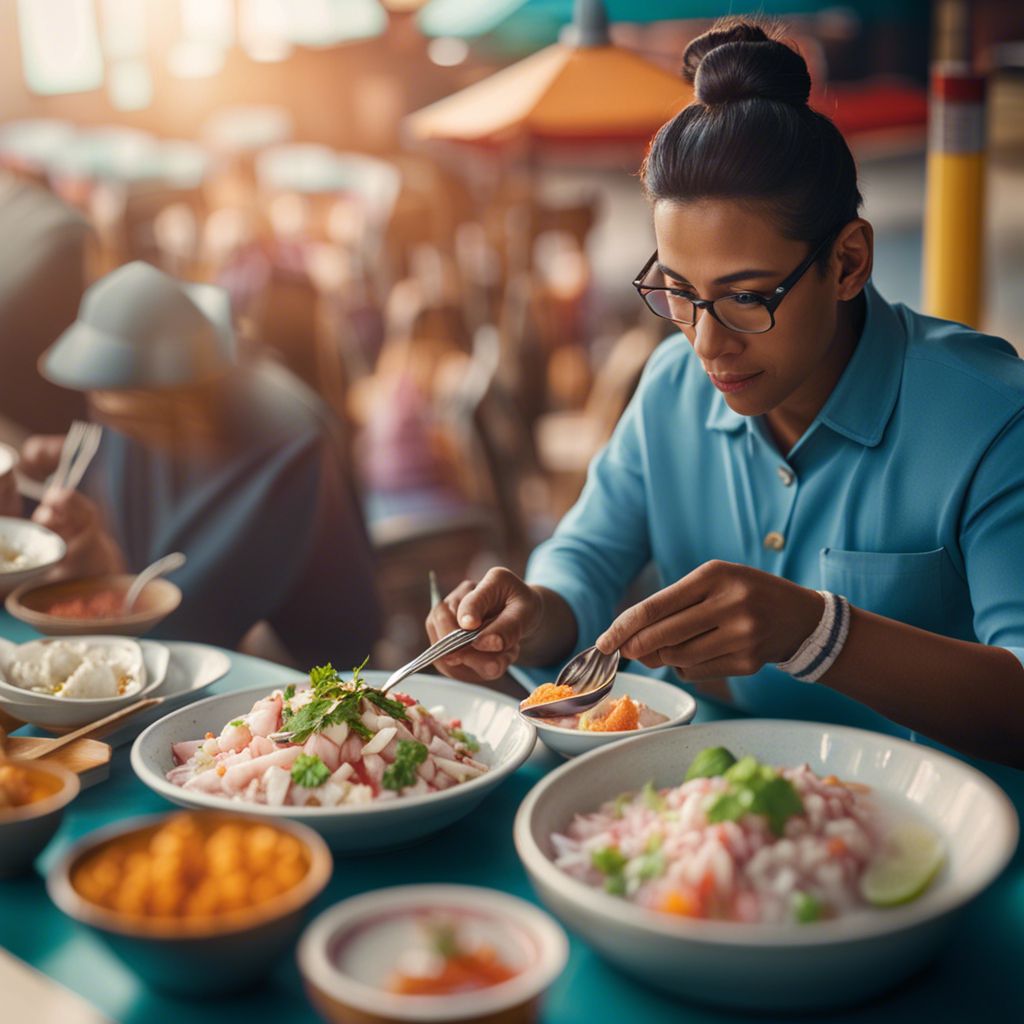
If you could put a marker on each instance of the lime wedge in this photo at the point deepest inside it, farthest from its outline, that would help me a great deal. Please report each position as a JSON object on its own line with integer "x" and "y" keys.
{"x": 905, "y": 868}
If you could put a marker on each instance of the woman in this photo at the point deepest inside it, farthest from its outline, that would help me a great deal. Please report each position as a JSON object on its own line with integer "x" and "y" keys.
{"x": 830, "y": 486}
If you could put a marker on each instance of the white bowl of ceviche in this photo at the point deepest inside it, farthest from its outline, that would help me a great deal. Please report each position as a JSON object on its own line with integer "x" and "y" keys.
{"x": 657, "y": 704}
{"x": 365, "y": 771}
{"x": 827, "y": 862}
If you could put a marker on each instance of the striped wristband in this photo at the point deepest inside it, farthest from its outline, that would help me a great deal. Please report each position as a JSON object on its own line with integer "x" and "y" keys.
{"x": 817, "y": 653}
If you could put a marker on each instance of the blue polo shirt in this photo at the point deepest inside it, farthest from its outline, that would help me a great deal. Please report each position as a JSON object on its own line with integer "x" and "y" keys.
{"x": 906, "y": 495}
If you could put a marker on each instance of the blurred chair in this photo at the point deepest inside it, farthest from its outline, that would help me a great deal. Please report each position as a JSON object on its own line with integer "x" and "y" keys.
{"x": 566, "y": 441}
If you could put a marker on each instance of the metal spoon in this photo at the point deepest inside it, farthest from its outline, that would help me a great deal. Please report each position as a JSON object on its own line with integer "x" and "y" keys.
{"x": 168, "y": 563}
{"x": 591, "y": 675}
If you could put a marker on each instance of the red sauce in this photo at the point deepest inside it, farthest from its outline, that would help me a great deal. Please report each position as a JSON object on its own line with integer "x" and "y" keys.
{"x": 104, "y": 604}
{"x": 463, "y": 972}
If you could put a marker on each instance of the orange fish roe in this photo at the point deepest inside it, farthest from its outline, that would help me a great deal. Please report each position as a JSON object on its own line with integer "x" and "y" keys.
{"x": 623, "y": 716}
{"x": 191, "y": 866}
{"x": 545, "y": 693}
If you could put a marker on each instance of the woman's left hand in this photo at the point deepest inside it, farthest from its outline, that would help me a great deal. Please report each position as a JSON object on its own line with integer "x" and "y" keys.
{"x": 721, "y": 619}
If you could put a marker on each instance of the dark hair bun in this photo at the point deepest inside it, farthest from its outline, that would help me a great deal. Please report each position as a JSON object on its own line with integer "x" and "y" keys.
{"x": 741, "y": 61}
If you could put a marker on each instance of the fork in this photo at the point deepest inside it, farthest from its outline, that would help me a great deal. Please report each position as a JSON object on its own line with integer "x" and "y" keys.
{"x": 446, "y": 645}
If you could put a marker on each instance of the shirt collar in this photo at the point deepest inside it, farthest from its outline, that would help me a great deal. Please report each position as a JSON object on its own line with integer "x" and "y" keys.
{"x": 862, "y": 401}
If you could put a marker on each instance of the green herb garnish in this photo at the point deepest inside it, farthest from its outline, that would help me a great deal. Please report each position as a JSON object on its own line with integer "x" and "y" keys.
{"x": 337, "y": 701}
{"x": 652, "y": 798}
{"x": 619, "y": 804}
{"x": 402, "y": 773}
{"x": 309, "y": 771}
{"x": 289, "y": 691}
{"x": 237, "y": 722}
{"x": 806, "y": 908}
{"x": 467, "y": 739}
{"x": 609, "y": 860}
{"x": 756, "y": 789}
{"x": 710, "y": 762}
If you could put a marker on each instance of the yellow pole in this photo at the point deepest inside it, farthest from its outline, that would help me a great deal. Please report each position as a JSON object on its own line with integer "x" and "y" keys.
{"x": 955, "y": 195}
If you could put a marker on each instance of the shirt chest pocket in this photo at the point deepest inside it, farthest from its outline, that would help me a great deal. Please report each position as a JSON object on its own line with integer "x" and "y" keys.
{"x": 904, "y": 586}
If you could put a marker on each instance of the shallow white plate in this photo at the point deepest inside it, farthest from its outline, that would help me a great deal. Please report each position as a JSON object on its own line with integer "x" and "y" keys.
{"x": 61, "y": 714}
{"x": 506, "y": 740}
{"x": 766, "y": 967}
{"x": 655, "y": 693}
{"x": 43, "y": 548}
{"x": 191, "y": 670}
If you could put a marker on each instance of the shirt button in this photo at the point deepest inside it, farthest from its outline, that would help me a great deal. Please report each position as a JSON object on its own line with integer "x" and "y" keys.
{"x": 786, "y": 475}
{"x": 774, "y": 541}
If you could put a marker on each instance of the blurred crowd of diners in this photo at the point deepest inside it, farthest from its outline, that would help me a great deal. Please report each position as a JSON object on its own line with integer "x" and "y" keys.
{"x": 419, "y": 363}
{"x": 460, "y": 365}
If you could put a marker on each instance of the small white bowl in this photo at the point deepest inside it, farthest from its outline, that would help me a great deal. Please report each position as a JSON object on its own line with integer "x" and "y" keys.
{"x": 655, "y": 693}
{"x": 506, "y": 740}
{"x": 774, "y": 967}
{"x": 43, "y": 548}
{"x": 62, "y": 713}
{"x": 533, "y": 941}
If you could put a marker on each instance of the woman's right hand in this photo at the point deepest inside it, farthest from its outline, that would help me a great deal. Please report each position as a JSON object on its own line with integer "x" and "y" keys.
{"x": 512, "y": 610}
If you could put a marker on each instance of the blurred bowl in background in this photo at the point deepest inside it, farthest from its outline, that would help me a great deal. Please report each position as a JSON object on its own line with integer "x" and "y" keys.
{"x": 26, "y": 828}
{"x": 33, "y": 604}
{"x": 221, "y": 951}
{"x": 348, "y": 955}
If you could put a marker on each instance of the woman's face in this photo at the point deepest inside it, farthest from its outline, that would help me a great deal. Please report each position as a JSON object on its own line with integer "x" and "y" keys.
{"x": 718, "y": 246}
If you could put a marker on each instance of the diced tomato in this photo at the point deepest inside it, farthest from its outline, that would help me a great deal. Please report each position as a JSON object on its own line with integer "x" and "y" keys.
{"x": 835, "y": 847}
{"x": 683, "y": 901}
{"x": 405, "y": 699}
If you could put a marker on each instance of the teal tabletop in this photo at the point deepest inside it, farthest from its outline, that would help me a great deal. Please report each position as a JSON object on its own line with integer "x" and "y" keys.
{"x": 979, "y": 972}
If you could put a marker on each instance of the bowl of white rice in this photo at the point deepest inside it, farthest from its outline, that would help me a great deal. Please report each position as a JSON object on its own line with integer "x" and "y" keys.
{"x": 673, "y": 880}
{"x": 60, "y": 684}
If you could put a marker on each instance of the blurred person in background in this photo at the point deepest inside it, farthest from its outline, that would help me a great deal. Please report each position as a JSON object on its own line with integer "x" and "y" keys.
{"x": 799, "y": 433}
{"x": 42, "y": 277}
{"x": 237, "y": 464}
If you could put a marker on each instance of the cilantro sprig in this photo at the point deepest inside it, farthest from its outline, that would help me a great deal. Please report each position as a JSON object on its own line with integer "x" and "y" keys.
{"x": 309, "y": 771}
{"x": 402, "y": 772}
{"x": 338, "y": 701}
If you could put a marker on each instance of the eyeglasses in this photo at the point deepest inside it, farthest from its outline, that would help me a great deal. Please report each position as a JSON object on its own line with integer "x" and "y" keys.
{"x": 743, "y": 312}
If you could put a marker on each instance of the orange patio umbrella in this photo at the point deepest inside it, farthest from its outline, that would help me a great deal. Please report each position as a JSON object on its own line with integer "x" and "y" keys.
{"x": 579, "y": 91}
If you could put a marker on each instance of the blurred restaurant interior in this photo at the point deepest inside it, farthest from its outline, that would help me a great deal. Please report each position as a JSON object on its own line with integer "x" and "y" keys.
{"x": 426, "y": 214}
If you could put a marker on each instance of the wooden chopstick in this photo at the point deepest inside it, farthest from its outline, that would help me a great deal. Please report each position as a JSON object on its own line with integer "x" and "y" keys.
{"x": 94, "y": 730}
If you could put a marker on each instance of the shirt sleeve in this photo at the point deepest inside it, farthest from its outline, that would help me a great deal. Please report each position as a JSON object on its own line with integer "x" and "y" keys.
{"x": 603, "y": 541}
{"x": 992, "y": 541}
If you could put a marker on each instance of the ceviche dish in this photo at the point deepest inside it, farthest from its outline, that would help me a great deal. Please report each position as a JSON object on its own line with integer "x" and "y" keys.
{"x": 613, "y": 714}
{"x": 347, "y": 743}
{"x": 742, "y": 841}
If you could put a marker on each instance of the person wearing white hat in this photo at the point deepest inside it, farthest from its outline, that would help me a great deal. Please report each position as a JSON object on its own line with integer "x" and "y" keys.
{"x": 237, "y": 463}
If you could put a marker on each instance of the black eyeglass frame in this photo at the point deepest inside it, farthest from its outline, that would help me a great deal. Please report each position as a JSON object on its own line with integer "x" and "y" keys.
{"x": 771, "y": 303}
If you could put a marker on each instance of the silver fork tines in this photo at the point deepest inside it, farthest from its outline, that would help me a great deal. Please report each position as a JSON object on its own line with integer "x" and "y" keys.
{"x": 452, "y": 642}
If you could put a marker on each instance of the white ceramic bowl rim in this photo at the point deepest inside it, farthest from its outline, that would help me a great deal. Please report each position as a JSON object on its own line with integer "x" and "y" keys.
{"x": 103, "y": 641}
{"x": 70, "y": 787}
{"x": 689, "y": 709}
{"x": 41, "y": 537}
{"x": 315, "y": 962}
{"x": 729, "y": 933}
{"x": 160, "y": 785}
{"x": 64, "y": 894}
